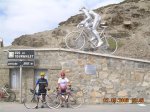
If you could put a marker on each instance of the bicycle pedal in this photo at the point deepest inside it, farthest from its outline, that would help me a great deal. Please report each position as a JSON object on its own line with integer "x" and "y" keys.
{"x": 44, "y": 102}
{"x": 42, "y": 106}
{"x": 66, "y": 100}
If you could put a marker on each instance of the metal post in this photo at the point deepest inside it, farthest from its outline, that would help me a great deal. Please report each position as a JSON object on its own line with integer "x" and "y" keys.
{"x": 21, "y": 83}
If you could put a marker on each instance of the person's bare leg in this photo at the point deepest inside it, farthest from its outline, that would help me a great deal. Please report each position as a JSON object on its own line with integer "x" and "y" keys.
{"x": 43, "y": 100}
{"x": 95, "y": 24}
{"x": 37, "y": 102}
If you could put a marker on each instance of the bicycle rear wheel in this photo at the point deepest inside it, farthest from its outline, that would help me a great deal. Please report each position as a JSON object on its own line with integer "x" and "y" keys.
{"x": 30, "y": 101}
{"x": 1, "y": 95}
{"x": 53, "y": 101}
{"x": 12, "y": 96}
{"x": 75, "y": 100}
{"x": 109, "y": 45}
{"x": 75, "y": 40}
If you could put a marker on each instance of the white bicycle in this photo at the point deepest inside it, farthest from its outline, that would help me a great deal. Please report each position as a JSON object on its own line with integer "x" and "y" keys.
{"x": 76, "y": 40}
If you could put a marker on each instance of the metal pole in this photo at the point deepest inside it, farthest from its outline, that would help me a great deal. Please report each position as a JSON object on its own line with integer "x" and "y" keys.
{"x": 21, "y": 83}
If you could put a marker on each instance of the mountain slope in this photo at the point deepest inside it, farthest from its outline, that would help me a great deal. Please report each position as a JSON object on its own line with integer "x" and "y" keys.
{"x": 128, "y": 22}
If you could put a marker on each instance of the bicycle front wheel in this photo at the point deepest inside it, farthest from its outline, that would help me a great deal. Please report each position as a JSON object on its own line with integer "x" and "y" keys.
{"x": 75, "y": 40}
{"x": 76, "y": 99}
{"x": 30, "y": 101}
{"x": 53, "y": 101}
{"x": 109, "y": 45}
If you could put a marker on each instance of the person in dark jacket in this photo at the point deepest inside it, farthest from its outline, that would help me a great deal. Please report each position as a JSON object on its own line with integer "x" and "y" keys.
{"x": 43, "y": 86}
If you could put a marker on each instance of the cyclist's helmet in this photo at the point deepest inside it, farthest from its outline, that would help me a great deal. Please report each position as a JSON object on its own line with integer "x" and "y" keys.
{"x": 62, "y": 73}
{"x": 82, "y": 8}
{"x": 42, "y": 74}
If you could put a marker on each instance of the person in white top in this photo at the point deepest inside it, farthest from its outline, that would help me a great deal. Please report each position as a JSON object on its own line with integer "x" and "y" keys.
{"x": 63, "y": 83}
{"x": 92, "y": 19}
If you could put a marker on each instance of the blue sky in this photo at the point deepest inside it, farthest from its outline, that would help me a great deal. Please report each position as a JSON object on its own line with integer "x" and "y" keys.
{"x": 20, "y": 17}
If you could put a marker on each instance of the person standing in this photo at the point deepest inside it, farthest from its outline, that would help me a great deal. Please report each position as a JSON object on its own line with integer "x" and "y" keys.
{"x": 63, "y": 84}
{"x": 43, "y": 84}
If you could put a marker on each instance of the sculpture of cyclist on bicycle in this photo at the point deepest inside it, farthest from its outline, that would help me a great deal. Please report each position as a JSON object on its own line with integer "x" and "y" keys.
{"x": 93, "y": 19}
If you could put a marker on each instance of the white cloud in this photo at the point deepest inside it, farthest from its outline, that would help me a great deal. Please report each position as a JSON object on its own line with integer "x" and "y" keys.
{"x": 18, "y": 17}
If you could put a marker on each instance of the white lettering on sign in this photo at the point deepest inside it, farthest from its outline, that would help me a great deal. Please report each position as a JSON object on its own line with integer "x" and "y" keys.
{"x": 18, "y": 52}
{"x": 26, "y": 63}
{"x": 18, "y": 63}
{"x": 22, "y": 54}
{"x": 12, "y": 64}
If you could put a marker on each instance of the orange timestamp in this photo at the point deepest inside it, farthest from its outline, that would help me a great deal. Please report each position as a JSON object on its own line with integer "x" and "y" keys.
{"x": 123, "y": 100}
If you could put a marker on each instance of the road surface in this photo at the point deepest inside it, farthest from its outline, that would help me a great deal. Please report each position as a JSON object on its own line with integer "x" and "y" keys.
{"x": 17, "y": 107}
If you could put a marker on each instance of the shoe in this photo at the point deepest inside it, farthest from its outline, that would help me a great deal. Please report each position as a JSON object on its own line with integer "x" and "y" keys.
{"x": 99, "y": 44}
{"x": 42, "y": 106}
{"x": 93, "y": 38}
{"x": 36, "y": 107}
{"x": 62, "y": 105}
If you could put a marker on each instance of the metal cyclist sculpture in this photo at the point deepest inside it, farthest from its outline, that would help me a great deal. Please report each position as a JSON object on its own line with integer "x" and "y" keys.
{"x": 90, "y": 30}
{"x": 91, "y": 22}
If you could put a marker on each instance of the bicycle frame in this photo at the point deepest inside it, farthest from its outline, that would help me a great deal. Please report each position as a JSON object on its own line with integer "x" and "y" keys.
{"x": 77, "y": 39}
{"x": 80, "y": 34}
{"x": 4, "y": 90}
{"x": 35, "y": 95}
{"x": 66, "y": 96}
{"x": 102, "y": 33}
{"x": 35, "y": 98}
{"x": 85, "y": 32}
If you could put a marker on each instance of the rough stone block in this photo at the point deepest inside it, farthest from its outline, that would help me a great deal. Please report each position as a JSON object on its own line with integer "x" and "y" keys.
{"x": 147, "y": 77}
{"x": 103, "y": 74}
{"x": 122, "y": 93}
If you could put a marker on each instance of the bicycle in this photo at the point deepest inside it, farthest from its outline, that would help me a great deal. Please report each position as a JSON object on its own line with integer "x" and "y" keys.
{"x": 72, "y": 98}
{"x": 30, "y": 100}
{"x": 76, "y": 40}
{"x": 7, "y": 94}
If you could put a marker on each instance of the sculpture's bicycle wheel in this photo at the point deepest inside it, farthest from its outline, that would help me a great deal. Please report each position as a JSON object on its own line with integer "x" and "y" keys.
{"x": 75, "y": 40}
{"x": 109, "y": 45}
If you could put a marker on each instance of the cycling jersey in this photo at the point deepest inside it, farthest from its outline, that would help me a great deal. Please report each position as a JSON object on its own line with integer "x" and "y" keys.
{"x": 63, "y": 82}
{"x": 42, "y": 84}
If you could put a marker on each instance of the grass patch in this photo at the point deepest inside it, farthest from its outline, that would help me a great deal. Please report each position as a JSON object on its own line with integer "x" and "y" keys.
{"x": 112, "y": 44}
